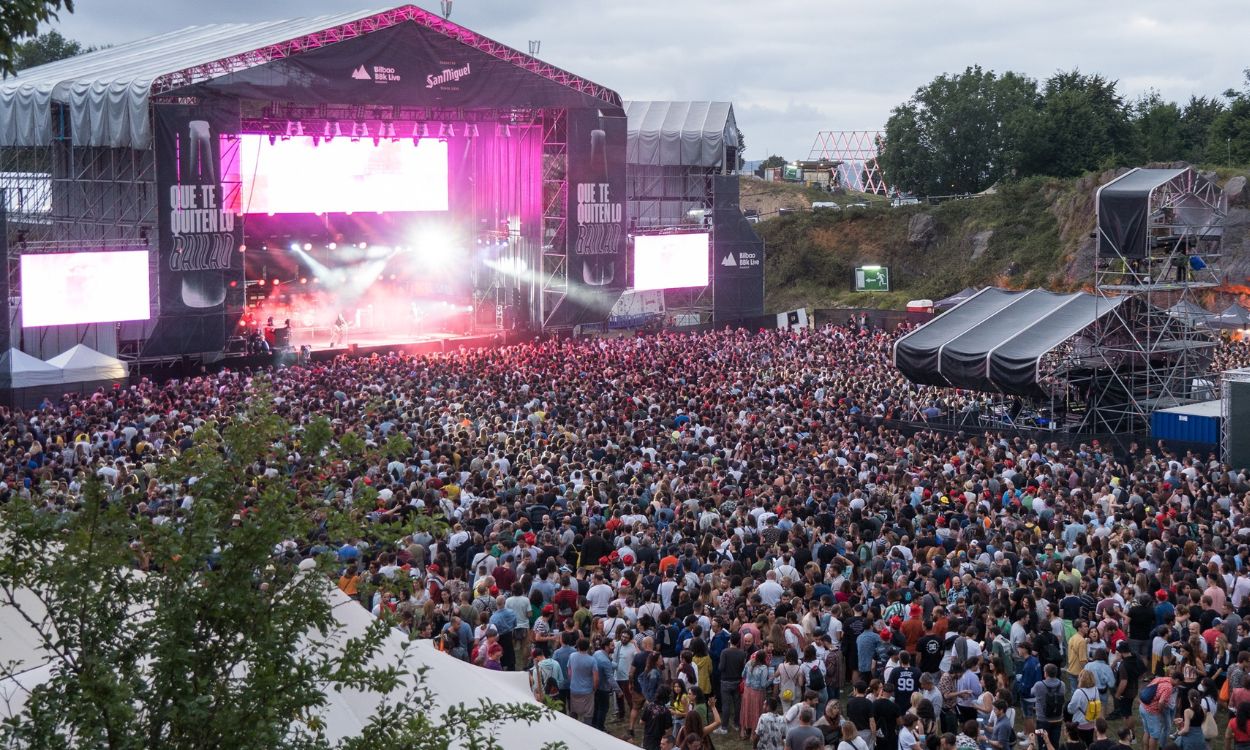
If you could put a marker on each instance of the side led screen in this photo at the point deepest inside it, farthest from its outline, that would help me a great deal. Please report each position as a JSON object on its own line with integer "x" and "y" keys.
{"x": 339, "y": 176}
{"x": 670, "y": 261}
{"x": 71, "y": 288}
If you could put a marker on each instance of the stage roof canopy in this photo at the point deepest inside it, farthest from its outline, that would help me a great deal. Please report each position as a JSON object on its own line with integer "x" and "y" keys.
{"x": 685, "y": 134}
{"x": 108, "y": 91}
{"x": 996, "y": 340}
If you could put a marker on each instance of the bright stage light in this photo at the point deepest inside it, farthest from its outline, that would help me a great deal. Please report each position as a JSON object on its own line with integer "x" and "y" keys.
{"x": 333, "y": 246}
{"x": 433, "y": 248}
{"x": 307, "y": 246}
{"x": 295, "y": 247}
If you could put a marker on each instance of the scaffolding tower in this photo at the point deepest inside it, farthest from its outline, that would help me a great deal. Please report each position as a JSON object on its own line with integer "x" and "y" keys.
{"x": 1158, "y": 248}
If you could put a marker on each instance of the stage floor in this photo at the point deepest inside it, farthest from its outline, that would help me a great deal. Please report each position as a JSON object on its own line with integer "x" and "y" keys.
{"x": 373, "y": 340}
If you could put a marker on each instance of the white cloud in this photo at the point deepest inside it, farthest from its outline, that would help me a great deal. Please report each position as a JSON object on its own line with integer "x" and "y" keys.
{"x": 793, "y": 67}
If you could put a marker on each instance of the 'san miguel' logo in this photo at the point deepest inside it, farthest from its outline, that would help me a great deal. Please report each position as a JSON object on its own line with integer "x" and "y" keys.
{"x": 449, "y": 75}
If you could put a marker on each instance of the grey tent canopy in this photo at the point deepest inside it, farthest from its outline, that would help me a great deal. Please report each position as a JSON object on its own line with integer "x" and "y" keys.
{"x": 688, "y": 134}
{"x": 1232, "y": 317}
{"x": 1125, "y": 207}
{"x": 1191, "y": 313}
{"x": 996, "y": 340}
{"x": 962, "y": 296}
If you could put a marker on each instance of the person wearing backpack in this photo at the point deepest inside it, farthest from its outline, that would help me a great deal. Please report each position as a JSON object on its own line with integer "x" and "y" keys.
{"x": 1085, "y": 706}
{"x": 1048, "y": 697}
{"x": 1028, "y": 674}
{"x": 1155, "y": 709}
{"x": 814, "y": 672}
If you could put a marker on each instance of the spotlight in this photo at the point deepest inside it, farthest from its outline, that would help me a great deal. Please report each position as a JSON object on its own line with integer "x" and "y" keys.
{"x": 303, "y": 279}
{"x": 504, "y": 130}
{"x": 377, "y": 141}
{"x": 272, "y": 139}
{"x": 233, "y": 283}
{"x": 442, "y": 130}
{"x": 290, "y": 128}
{"x": 333, "y": 246}
{"x": 307, "y": 246}
{"x": 277, "y": 282}
{"x": 243, "y": 248}
{"x": 363, "y": 245}
{"x": 390, "y": 130}
{"x": 316, "y": 139}
{"x": 425, "y": 130}
{"x": 338, "y": 129}
{"x": 471, "y": 130}
{"x": 295, "y": 247}
{"x": 364, "y": 130}
{"x": 299, "y": 127}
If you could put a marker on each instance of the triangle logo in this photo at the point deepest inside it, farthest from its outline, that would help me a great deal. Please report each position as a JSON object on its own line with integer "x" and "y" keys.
{"x": 729, "y": 260}
{"x": 360, "y": 74}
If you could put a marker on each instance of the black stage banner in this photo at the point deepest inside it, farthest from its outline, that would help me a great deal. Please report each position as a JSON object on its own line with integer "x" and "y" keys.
{"x": 198, "y": 254}
{"x": 596, "y": 216}
{"x": 405, "y": 65}
{"x": 737, "y": 255}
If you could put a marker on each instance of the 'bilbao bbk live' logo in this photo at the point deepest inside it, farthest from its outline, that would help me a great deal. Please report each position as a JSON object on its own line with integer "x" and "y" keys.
{"x": 376, "y": 73}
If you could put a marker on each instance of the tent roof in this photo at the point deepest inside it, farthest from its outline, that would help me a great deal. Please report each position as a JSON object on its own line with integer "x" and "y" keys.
{"x": 80, "y": 356}
{"x": 957, "y": 297}
{"x": 1139, "y": 182}
{"x": 347, "y": 711}
{"x": 995, "y": 341}
{"x": 17, "y": 361}
{"x": 692, "y": 134}
{"x": 108, "y": 90}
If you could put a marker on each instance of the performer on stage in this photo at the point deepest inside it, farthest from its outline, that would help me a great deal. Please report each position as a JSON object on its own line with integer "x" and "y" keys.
{"x": 338, "y": 334}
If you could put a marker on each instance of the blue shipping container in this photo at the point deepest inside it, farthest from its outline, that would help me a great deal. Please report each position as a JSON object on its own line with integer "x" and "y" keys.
{"x": 1194, "y": 423}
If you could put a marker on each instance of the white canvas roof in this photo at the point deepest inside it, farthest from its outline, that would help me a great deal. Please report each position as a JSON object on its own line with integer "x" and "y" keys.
{"x": 107, "y": 91}
{"x": 693, "y": 134}
{"x": 450, "y": 681}
{"x": 82, "y": 364}
{"x": 20, "y": 370}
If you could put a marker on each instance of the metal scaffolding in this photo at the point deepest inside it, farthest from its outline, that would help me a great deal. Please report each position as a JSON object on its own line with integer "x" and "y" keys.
{"x": 1150, "y": 353}
{"x": 62, "y": 197}
{"x": 857, "y": 152}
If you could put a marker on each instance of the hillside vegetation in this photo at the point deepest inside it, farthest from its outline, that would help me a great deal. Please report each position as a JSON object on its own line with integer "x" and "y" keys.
{"x": 1028, "y": 233}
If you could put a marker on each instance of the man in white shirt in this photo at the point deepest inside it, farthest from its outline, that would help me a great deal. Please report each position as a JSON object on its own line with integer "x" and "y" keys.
{"x": 770, "y": 591}
{"x": 599, "y": 596}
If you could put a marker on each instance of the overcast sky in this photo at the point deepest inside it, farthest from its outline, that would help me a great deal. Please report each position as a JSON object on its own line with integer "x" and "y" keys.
{"x": 795, "y": 67}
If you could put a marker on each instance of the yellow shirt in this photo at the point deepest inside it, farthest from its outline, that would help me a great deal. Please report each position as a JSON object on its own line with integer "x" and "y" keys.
{"x": 1078, "y": 653}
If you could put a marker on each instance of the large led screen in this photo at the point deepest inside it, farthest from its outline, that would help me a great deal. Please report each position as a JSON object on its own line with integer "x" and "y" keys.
{"x": 70, "y": 288}
{"x": 337, "y": 176}
{"x": 670, "y": 261}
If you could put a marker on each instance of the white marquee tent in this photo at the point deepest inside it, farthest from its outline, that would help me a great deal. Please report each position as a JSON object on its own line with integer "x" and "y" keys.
{"x": 82, "y": 364}
{"x": 449, "y": 680}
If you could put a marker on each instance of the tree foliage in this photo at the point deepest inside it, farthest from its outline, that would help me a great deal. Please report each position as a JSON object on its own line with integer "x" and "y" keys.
{"x": 964, "y": 132}
{"x": 958, "y": 134}
{"x": 773, "y": 161}
{"x": 20, "y": 19}
{"x": 45, "y": 48}
{"x": 203, "y": 631}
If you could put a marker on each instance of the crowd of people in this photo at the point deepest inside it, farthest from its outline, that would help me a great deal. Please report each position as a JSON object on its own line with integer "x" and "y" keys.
{"x": 742, "y": 532}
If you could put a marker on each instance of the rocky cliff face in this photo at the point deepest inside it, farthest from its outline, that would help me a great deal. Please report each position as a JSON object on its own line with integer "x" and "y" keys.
{"x": 1036, "y": 232}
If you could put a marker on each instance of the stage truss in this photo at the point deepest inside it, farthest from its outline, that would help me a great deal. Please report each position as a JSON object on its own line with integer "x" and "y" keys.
{"x": 1151, "y": 357}
{"x": 66, "y": 198}
{"x": 857, "y": 152}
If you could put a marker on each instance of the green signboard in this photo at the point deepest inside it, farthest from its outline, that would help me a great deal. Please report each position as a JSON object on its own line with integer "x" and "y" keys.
{"x": 872, "y": 279}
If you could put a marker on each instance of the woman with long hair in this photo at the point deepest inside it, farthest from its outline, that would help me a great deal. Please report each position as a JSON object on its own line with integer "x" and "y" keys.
{"x": 1189, "y": 735}
{"x": 1239, "y": 727}
{"x": 790, "y": 680}
{"x": 756, "y": 680}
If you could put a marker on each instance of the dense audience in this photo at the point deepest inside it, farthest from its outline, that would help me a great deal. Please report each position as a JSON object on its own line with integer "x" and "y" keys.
{"x": 756, "y": 533}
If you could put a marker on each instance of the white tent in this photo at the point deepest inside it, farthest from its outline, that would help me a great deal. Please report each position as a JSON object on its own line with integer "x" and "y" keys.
{"x": 449, "y": 680}
{"x": 20, "y": 370}
{"x": 82, "y": 364}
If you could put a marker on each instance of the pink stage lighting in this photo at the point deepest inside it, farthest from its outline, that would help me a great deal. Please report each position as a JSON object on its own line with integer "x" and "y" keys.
{"x": 670, "y": 261}
{"x": 340, "y": 176}
{"x": 70, "y": 288}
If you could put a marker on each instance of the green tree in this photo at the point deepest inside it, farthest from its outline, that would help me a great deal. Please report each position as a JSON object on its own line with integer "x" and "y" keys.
{"x": 1159, "y": 128}
{"x": 957, "y": 134}
{"x": 1197, "y": 118}
{"x": 20, "y": 19}
{"x": 46, "y": 48}
{"x": 1082, "y": 124}
{"x": 204, "y": 632}
{"x": 1228, "y": 140}
{"x": 774, "y": 161}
